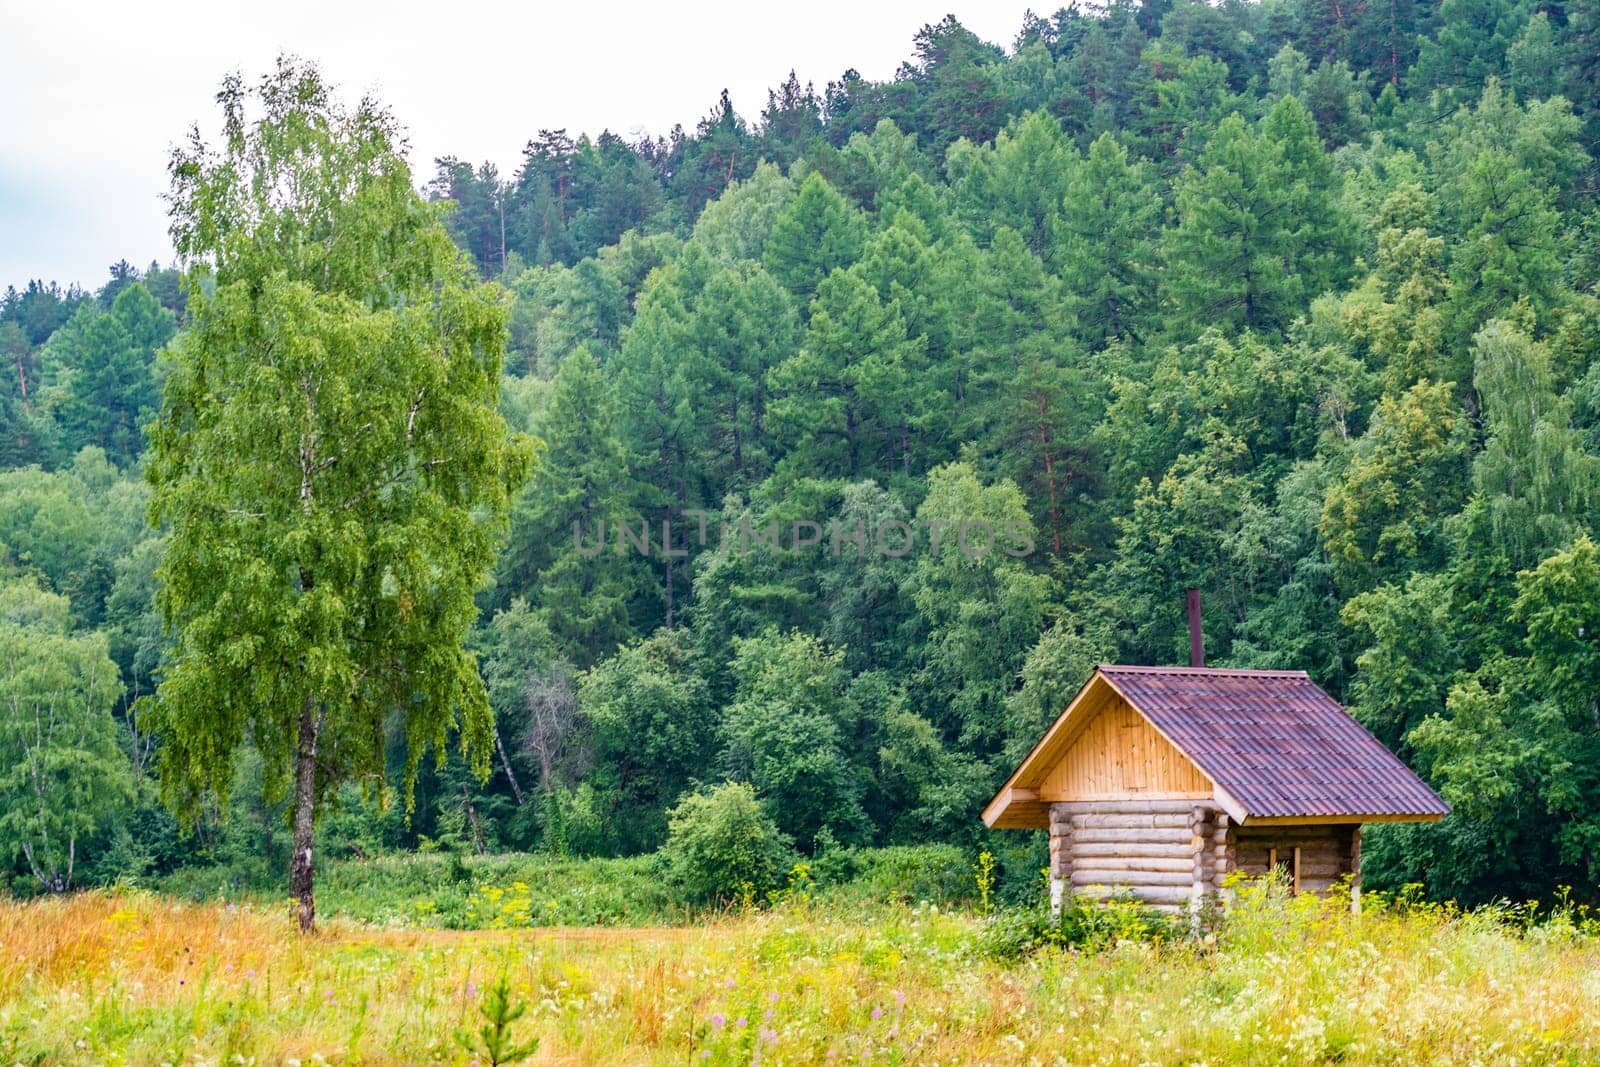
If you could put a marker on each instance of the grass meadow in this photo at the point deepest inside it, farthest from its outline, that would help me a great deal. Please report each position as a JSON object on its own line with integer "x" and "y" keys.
{"x": 137, "y": 977}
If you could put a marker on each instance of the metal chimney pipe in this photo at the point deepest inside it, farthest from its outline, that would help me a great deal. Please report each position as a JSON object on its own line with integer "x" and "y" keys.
{"x": 1197, "y": 646}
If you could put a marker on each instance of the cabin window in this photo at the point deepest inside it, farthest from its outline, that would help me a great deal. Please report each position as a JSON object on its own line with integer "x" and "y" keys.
{"x": 1285, "y": 861}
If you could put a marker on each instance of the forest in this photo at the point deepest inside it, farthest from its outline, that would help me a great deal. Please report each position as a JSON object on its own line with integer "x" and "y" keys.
{"x": 1296, "y": 302}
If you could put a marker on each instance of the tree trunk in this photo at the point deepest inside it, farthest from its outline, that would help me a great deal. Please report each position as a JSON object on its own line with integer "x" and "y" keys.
{"x": 305, "y": 799}
{"x": 479, "y": 841}
{"x": 505, "y": 761}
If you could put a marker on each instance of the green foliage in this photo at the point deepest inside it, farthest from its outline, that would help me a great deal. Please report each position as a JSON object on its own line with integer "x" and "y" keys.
{"x": 493, "y": 1041}
{"x": 1055, "y": 669}
{"x": 979, "y": 604}
{"x": 836, "y": 401}
{"x": 1404, "y": 477}
{"x": 722, "y": 846}
{"x": 319, "y": 586}
{"x": 562, "y": 546}
{"x": 1088, "y": 925}
{"x": 105, "y": 382}
{"x": 787, "y": 732}
{"x": 652, "y": 719}
{"x": 65, "y": 775}
{"x": 1104, "y": 243}
{"x": 985, "y": 879}
{"x": 1259, "y": 227}
{"x": 815, "y": 234}
{"x": 1537, "y": 484}
{"x": 72, "y": 525}
{"x": 1290, "y": 303}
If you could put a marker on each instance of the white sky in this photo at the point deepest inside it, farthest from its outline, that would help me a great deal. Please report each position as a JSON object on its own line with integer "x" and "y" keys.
{"x": 96, "y": 93}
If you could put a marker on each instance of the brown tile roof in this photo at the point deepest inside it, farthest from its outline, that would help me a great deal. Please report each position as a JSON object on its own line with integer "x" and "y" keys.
{"x": 1277, "y": 743}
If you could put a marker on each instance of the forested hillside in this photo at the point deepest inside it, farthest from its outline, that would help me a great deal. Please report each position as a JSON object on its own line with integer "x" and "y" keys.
{"x": 869, "y": 424}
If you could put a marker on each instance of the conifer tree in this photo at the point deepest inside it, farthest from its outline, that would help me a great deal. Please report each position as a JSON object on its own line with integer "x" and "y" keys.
{"x": 816, "y": 232}
{"x": 1105, "y": 244}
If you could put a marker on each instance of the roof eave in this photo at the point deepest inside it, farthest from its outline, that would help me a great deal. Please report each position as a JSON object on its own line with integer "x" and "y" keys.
{"x": 994, "y": 815}
{"x": 994, "y": 811}
{"x": 1352, "y": 818}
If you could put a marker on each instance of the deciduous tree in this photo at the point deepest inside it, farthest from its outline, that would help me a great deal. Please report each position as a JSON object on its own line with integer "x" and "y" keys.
{"x": 329, "y": 459}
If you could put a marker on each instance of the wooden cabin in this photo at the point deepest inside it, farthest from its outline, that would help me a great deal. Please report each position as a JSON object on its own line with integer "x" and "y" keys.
{"x": 1157, "y": 782}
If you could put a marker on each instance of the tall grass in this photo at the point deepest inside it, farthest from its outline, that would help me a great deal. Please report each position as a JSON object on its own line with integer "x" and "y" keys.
{"x": 138, "y": 978}
{"x": 453, "y": 891}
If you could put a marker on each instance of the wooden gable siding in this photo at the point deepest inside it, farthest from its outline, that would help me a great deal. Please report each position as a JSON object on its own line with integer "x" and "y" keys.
{"x": 1117, "y": 754}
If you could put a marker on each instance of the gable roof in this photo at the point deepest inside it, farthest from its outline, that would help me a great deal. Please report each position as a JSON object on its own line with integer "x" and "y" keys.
{"x": 1274, "y": 745}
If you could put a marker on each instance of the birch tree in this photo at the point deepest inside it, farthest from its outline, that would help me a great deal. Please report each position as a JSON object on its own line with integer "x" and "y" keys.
{"x": 329, "y": 459}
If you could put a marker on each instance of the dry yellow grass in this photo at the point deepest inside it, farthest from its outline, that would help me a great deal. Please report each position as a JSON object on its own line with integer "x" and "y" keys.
{"x": 134, "y": 978}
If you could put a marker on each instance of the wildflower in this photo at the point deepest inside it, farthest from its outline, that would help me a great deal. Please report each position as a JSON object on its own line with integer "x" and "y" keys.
{"x": 741, "y": 1021}
{"x": 773, "y": 996}
{"x": 900, "y": 997}
{"x": 472, "y": 989}
{"x": 769, "y": 1036}
{"x": 877, "y": 1013}
{"x": 705, "y": 1054}
{"x": 727, "y": 983}
{"x": 717, "y": 1020}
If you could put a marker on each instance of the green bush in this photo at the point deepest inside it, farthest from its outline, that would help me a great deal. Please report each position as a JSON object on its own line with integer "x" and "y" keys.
{"x": 723, "y": 846}
{"x": 907, "y": 874}
{"x": 471, "y": 892}
{"x": 1090, "y": 925}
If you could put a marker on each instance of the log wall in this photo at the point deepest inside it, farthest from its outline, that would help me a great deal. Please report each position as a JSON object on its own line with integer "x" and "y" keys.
{"x": 1174, "y": 853}
{"x": 1327, "y": 852}
{"x": 1157, "y": 850}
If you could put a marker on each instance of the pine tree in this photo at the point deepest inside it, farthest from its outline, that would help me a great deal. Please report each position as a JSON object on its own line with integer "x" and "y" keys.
{"x": 743, "y": 326}
{"x": 817, "y": 232}
{"x": 1259, "y": 228}
{"x": 107, "y": 360}
{"x": 1467, "y": 50}
{"x": 662, "y": 377}
{"x": 1034, "y": 419}
{"x": 1229, "y": 257}
{"x": 1020, "y": 182}
{"x": 566, "y": 553}
{"x": 905, "y": 269}
{"x": 1105, "y": 246}
{"x": 834, "y": 400}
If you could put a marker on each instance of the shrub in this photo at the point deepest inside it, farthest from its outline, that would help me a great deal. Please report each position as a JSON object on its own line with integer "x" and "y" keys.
{"x": 723, "y": 846}
{"x": 1087, "y": 924}
{"x": 908, "y": 874}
